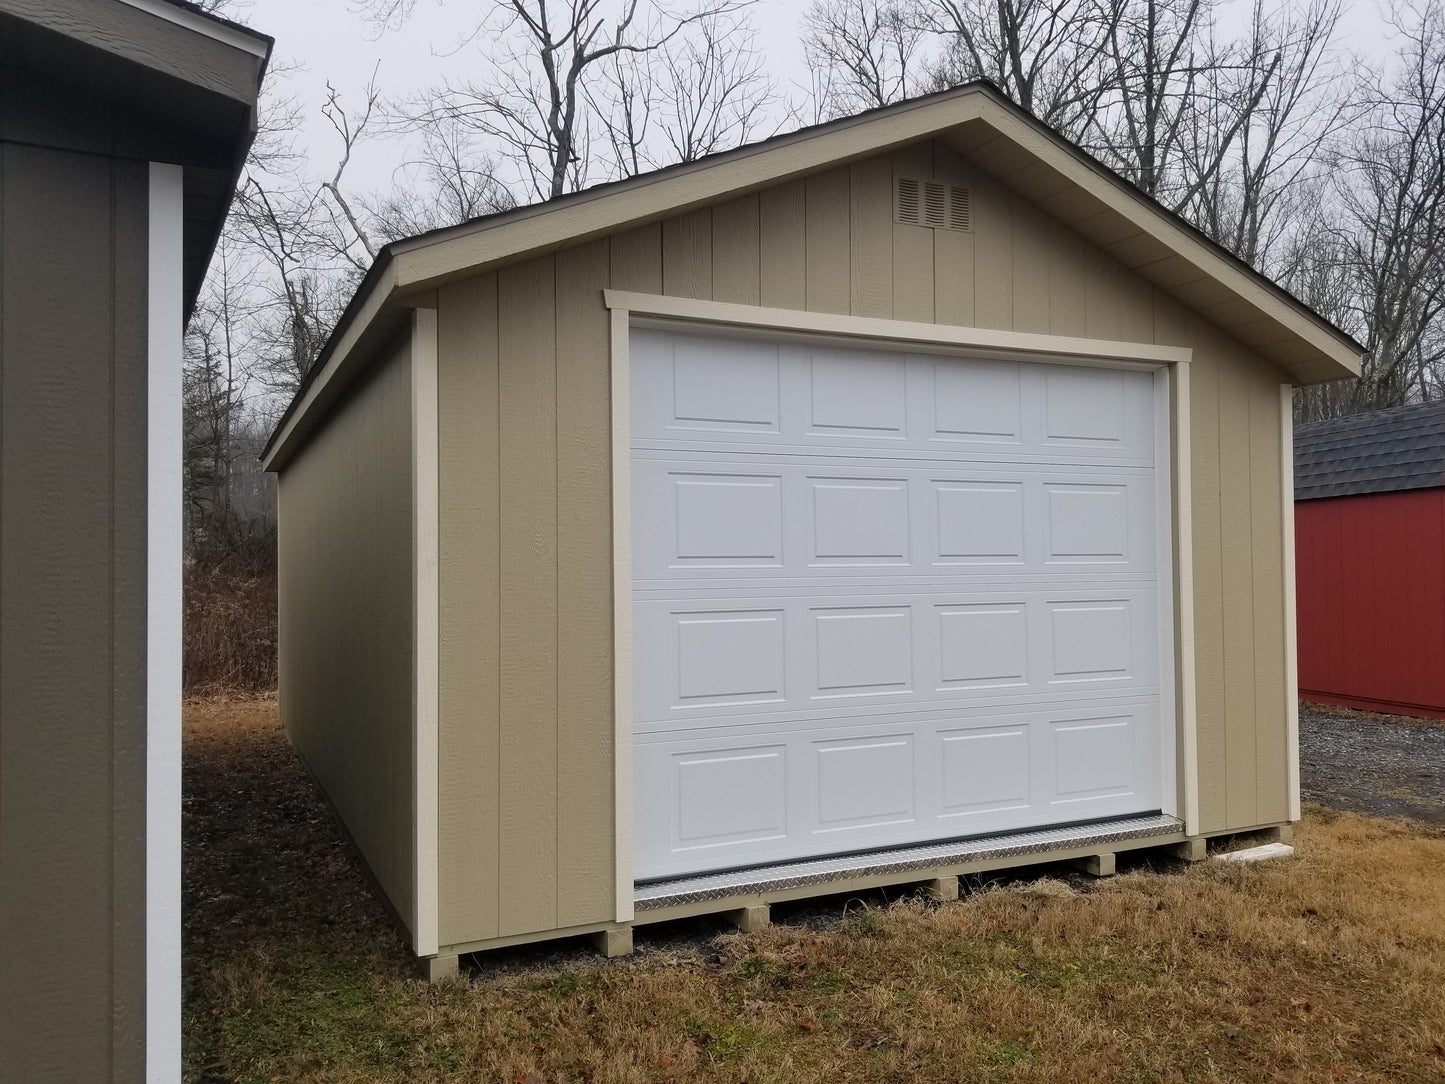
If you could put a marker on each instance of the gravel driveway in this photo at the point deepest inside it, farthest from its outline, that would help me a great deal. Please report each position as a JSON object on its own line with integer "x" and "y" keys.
{"x": 1372, "y": 764}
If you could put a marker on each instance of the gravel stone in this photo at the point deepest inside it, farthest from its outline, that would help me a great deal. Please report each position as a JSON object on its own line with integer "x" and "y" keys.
{"x": 1371, "y": 764}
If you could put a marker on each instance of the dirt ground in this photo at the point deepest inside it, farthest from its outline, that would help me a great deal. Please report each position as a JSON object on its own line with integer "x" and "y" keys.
{"x": 1330, "y": 967}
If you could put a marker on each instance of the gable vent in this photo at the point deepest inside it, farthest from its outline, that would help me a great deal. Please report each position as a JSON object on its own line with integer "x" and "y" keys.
{"x": 932, "y": 203}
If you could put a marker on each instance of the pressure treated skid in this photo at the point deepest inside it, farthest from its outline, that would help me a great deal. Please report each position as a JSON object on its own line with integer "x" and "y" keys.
{"x": 751, "y": 910}
{"x": 515, "y": 750}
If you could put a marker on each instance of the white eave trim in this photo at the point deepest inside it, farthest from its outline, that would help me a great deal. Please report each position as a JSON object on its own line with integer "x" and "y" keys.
{"x": 200, "y": 24}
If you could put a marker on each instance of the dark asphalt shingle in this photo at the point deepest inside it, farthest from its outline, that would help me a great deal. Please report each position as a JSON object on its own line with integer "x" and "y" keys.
{"x": 1379, "y": 452}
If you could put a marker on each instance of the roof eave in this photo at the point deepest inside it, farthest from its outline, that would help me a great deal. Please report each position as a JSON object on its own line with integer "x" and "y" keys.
{"x": 1303, "y": 345}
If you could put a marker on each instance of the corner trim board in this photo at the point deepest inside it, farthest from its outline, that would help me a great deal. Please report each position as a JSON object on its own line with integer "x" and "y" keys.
{"x": 164, "y": 288}
{"x": 622, "y": 612}
{"x": 1291, "y": 626}
{"x": 426, "y": 666}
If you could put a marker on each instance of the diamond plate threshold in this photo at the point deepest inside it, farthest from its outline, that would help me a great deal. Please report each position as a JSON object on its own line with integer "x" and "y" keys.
{"x": 654, "y": 895}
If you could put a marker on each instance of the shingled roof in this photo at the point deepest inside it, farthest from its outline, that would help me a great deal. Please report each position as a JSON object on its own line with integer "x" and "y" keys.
{"x": 1379, "y": 452}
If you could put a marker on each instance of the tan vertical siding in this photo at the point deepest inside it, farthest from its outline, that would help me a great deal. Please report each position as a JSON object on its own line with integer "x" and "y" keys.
{"x": 526, "y": 498}
{"x": 73, "y": 402}
{"x": 954, "y": 251}
{"x": 469, "y": 707}
{"x": 347, "y": 585}
{"x": 735, "y": 251}
{"x": 527, "y": 357}
{"x": 584, "y": 589}
{"x": 913, "y": 246}
{"x": 783, "y": 246}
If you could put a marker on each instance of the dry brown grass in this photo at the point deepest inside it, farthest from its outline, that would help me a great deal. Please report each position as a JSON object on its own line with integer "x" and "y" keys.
{"x": 1327, "y": 968}
{"x": 230, "y": 629}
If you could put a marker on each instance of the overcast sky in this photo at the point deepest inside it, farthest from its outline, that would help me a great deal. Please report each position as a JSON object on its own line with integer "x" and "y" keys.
{"x": 328, "y": 40}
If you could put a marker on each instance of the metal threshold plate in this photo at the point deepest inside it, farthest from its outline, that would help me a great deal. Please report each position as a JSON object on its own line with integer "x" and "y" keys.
{"x": 759, "y": 879}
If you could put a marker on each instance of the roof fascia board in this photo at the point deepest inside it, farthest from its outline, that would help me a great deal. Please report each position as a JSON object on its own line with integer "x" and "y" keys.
{"x": 428, "y": 265}
{"x": 338, "y": 358}
{"x": 1157, "y": 224}
{"x": 137, "y": 34}
{"x": 224, "y": 32}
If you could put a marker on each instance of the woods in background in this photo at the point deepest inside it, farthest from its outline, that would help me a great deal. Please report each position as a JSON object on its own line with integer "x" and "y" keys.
{"x": 1256, "y": 124}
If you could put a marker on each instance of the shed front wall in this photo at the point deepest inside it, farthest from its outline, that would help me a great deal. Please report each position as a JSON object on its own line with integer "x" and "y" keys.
{"x": 73, "y": 577}
{"x": 526, "y": 788}
{"x": 347, "y": 576}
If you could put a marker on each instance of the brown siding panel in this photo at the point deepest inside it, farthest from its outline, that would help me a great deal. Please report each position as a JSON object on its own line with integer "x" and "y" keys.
{"x": 73, "y": 372}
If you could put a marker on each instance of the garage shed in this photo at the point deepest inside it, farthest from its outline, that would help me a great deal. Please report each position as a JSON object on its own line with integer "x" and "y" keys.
{"x": 900, "y": 497}
{"x": 1370, "y": 521}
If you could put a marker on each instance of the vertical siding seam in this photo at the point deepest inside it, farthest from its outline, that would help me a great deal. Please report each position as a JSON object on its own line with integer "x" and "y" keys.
{"x": 557, "y": 661}
{"x": 110, "y": 640}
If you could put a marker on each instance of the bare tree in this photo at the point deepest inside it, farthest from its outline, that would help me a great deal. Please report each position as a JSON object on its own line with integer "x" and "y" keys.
{"x": 1262, "y": 129}
{"x": 870, "y": 53}
{"x": 446, "y": 181}
{"x": 538, "y": 105}
{"x": 697, "y": 94}
{"x": 1047, "y": 55}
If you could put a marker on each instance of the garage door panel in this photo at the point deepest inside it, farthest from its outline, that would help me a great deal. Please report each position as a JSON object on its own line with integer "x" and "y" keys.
{"x": 883, "y": 597}
{"x": 824, "y": 400}
{"x": 721, "y": 799}
{"x": 785, "y": 518}
{"x": 805, "y": 652}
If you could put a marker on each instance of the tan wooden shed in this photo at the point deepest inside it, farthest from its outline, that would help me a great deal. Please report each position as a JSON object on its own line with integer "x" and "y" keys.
{"x": 900, "y": 497}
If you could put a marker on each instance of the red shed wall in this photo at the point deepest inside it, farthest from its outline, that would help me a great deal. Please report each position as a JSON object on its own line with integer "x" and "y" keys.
{"x": 1371, "y": 601}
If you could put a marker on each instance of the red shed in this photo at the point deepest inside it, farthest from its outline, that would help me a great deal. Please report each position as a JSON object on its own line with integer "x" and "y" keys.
{"x": 1370, "y": 560}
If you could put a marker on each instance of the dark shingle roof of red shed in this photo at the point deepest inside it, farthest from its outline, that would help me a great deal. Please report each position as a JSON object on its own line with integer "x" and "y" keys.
{"x": 1380, "y": 452}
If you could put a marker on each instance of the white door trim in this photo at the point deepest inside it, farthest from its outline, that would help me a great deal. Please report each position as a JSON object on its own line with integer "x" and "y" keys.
{"x": 164, "y": 530}
{"x": 1180, "y": 788}
{"x": 622, "y": 613}
{"x": 753, "y": 318}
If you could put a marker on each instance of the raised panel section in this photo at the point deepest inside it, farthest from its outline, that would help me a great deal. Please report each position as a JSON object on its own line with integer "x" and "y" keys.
{"x": 725, "y": 384}
{"x": 1092, "y": 641}
{"x": 980, "y": 522}
{"x": 863, "y": 651}
{"x": 857, "y": 394}
{"x": 862, "y": 782}
{"x": 984, "y": 769}
{"x": 723, "y": 518}
{"x": 983, "y": 645}
{"x": 730, "y": 655}
{"x": 1088, "y": 523}
{"x": 860, "y": 520}
{"x": 729, "y": 796}
{"x": 976, "y": 402}
{"x": 1093, "y": 758}
{"x": 1084, "y": 406}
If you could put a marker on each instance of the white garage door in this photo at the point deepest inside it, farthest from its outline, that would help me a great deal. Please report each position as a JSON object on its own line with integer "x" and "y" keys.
{"x": 884, "y": 597}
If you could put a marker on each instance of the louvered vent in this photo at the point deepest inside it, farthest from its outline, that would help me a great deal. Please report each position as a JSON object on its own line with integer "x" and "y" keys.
{"x": 932, "y": 203}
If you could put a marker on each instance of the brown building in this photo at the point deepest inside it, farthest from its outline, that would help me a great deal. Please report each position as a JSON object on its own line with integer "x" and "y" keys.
{"x": 123, "y": 126}
{"x": 897, "y": 498}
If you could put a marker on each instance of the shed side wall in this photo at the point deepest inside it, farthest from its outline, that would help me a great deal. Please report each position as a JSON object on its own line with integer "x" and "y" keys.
{"x": 1372, "y": 600}
{"x": 347, "y": 579}
{"x": 526, "y": 801}
{"x": 73, "y": 374}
